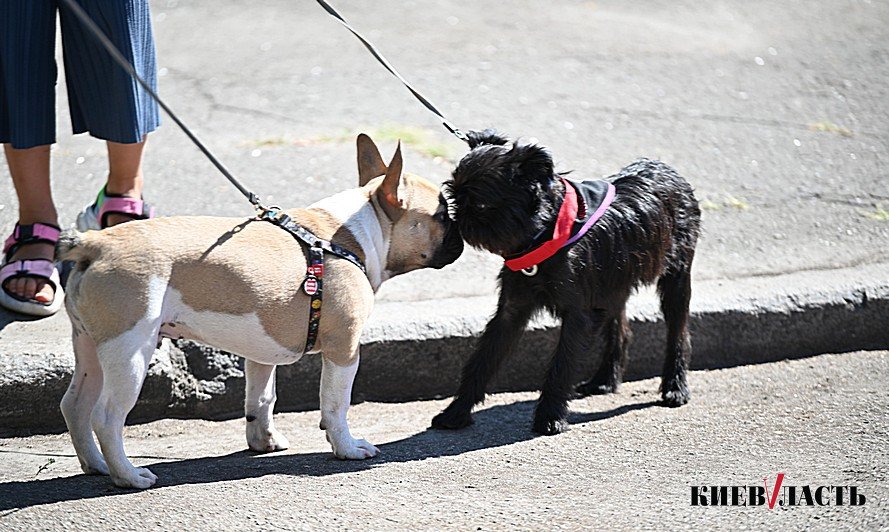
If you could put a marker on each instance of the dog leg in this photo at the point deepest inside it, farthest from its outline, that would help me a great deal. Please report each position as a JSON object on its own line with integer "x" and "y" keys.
{"x": 124, "y": 363}
{"x": 578, "y": 329}
{"x": 675, "y": 291}
{"x": 78, "y": 402}
{"x": 610, "y": 373}
{"x": 259, "y": 407}
{"x": 336, "y": 394}
{"x": 501, "y": 336}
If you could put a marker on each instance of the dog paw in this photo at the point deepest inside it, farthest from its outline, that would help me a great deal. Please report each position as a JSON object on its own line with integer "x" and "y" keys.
{"x": 138, "y": 477}
{"x": 268, "y": 441}
{"x": 676, "y": 397}
{"x": 550, "y": 427}
{"x": 592, "y": 387}
{"x": 452, "y": 418}
{"x": 353, "y": 449}
{"x": 97, "y": 468}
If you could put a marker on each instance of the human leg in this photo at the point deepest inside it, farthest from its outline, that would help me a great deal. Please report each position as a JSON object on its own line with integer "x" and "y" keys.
{"x": 108, "y": 104}
{"x": 27, "y": 129}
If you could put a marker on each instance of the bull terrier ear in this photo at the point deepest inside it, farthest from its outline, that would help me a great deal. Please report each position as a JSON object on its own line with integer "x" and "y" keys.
{"x": 388, "y": 193}
{"x": 370, "y": 163}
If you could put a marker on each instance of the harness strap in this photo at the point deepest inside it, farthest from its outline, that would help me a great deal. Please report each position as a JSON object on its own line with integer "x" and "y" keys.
{"x": 313, "y": 283}
{"x": 299, "y": 232}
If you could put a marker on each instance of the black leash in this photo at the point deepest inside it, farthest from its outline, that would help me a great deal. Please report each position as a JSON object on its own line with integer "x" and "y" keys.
{"x": 379, "y": 57}
{"x": 313, "y": 282}
{"x": 125, "y": 64}
{"x": 251, "y": 197}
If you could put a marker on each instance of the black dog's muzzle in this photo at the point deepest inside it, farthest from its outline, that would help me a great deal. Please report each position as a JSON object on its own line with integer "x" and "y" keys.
{"x": 450, "y": 250}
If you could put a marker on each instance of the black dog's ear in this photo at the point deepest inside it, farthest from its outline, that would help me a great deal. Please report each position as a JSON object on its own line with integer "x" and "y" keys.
{"x": 488, "y": 136}
{"x": 532, "y": 162}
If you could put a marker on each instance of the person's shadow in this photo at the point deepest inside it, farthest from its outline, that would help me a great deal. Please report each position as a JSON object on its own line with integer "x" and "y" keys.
{"x": 8, "y": 317}
{"x": 494, "y": 427}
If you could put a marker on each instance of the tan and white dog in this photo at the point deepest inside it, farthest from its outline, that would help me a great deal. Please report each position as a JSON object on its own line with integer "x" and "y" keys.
{"x": 236, "y": 285}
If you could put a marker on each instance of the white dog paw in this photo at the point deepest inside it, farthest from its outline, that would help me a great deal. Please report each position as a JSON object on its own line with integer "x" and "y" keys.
{"x": 139, "y": 478}
{"x": 353, "y": 449}
{"x": 97, "y": 468}
{"x": 144, "y": 472}
{"x": 270, "y": 441}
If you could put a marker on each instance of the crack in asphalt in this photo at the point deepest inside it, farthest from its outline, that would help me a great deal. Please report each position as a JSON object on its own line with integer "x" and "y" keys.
{"x": 200, "y": 86}
{"x": 71, "y": 455}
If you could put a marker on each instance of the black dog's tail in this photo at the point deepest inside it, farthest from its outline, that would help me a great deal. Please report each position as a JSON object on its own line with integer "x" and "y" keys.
{"x": 488, "y": 136}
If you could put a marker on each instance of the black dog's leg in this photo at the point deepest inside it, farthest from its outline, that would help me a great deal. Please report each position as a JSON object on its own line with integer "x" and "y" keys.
{"x": 610, "y": 373}
{"x": 499, "y": 340}
{"x": 575, "y": 338}
{"x": 675, "y": 291}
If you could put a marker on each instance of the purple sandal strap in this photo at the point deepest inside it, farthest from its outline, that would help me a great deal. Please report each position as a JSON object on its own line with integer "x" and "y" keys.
{"x": 32, "y": 233}
{"x": 41, "y": 268}
{"x": 133, "y": 207}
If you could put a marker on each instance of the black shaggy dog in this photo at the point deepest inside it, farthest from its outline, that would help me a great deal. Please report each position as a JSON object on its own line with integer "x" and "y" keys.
{"x": 508, "y": 200}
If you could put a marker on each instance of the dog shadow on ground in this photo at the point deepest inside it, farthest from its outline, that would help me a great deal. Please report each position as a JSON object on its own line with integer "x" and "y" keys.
{"x": 494, "y": 427}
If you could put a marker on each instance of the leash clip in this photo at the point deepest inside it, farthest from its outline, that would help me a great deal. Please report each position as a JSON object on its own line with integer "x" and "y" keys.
{"x": 268, "y": 213}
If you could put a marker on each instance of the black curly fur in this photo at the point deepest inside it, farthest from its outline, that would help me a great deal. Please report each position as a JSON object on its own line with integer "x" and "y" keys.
{"x": 501, "y": 197}
{"x": 487, "y": 136}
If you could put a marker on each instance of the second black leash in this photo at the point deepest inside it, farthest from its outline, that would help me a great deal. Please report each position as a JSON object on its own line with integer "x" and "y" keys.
{"x": 379, "y": 57}
{"x": 313, "y": 283}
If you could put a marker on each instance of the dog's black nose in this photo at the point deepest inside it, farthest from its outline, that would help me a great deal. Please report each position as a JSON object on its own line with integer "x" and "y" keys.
{"x": 450, "y": 250}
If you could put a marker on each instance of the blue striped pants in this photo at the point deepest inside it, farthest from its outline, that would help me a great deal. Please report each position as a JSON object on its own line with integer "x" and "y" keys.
{"x": 102, "y": 98}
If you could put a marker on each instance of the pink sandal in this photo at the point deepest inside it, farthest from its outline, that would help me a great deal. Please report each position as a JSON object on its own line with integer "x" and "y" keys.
{"x": 44, "y": 269}
{"x": 95, "y": 216}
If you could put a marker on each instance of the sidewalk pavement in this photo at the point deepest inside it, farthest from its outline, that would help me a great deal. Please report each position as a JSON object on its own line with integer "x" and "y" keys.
{"x": 625, "y": 464}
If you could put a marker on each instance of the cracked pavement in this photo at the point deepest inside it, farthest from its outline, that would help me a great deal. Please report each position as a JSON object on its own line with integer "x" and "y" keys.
{"x": 625, "y": 463}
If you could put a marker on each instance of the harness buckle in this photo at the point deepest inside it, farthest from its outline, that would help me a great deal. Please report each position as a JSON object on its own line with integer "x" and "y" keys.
{"x": 268, "y": 213}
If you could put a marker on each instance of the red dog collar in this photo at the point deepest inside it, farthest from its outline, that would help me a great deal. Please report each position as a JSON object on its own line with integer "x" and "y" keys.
{"x": 561, "y": 234}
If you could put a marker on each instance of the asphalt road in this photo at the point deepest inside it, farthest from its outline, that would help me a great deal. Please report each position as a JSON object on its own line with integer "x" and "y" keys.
{"x": 625, "y": 463}
{"x": 775, "y": 111}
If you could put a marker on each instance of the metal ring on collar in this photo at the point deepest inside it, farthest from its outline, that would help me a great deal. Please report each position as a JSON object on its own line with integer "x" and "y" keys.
{"x": 530, "y": 272}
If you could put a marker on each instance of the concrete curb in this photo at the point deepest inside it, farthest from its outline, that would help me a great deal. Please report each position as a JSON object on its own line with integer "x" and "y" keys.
{"x": 415, "y": 350}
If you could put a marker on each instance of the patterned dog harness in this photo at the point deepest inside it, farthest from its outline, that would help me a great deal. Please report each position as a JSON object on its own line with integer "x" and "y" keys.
{"x": 313, "y": 282}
